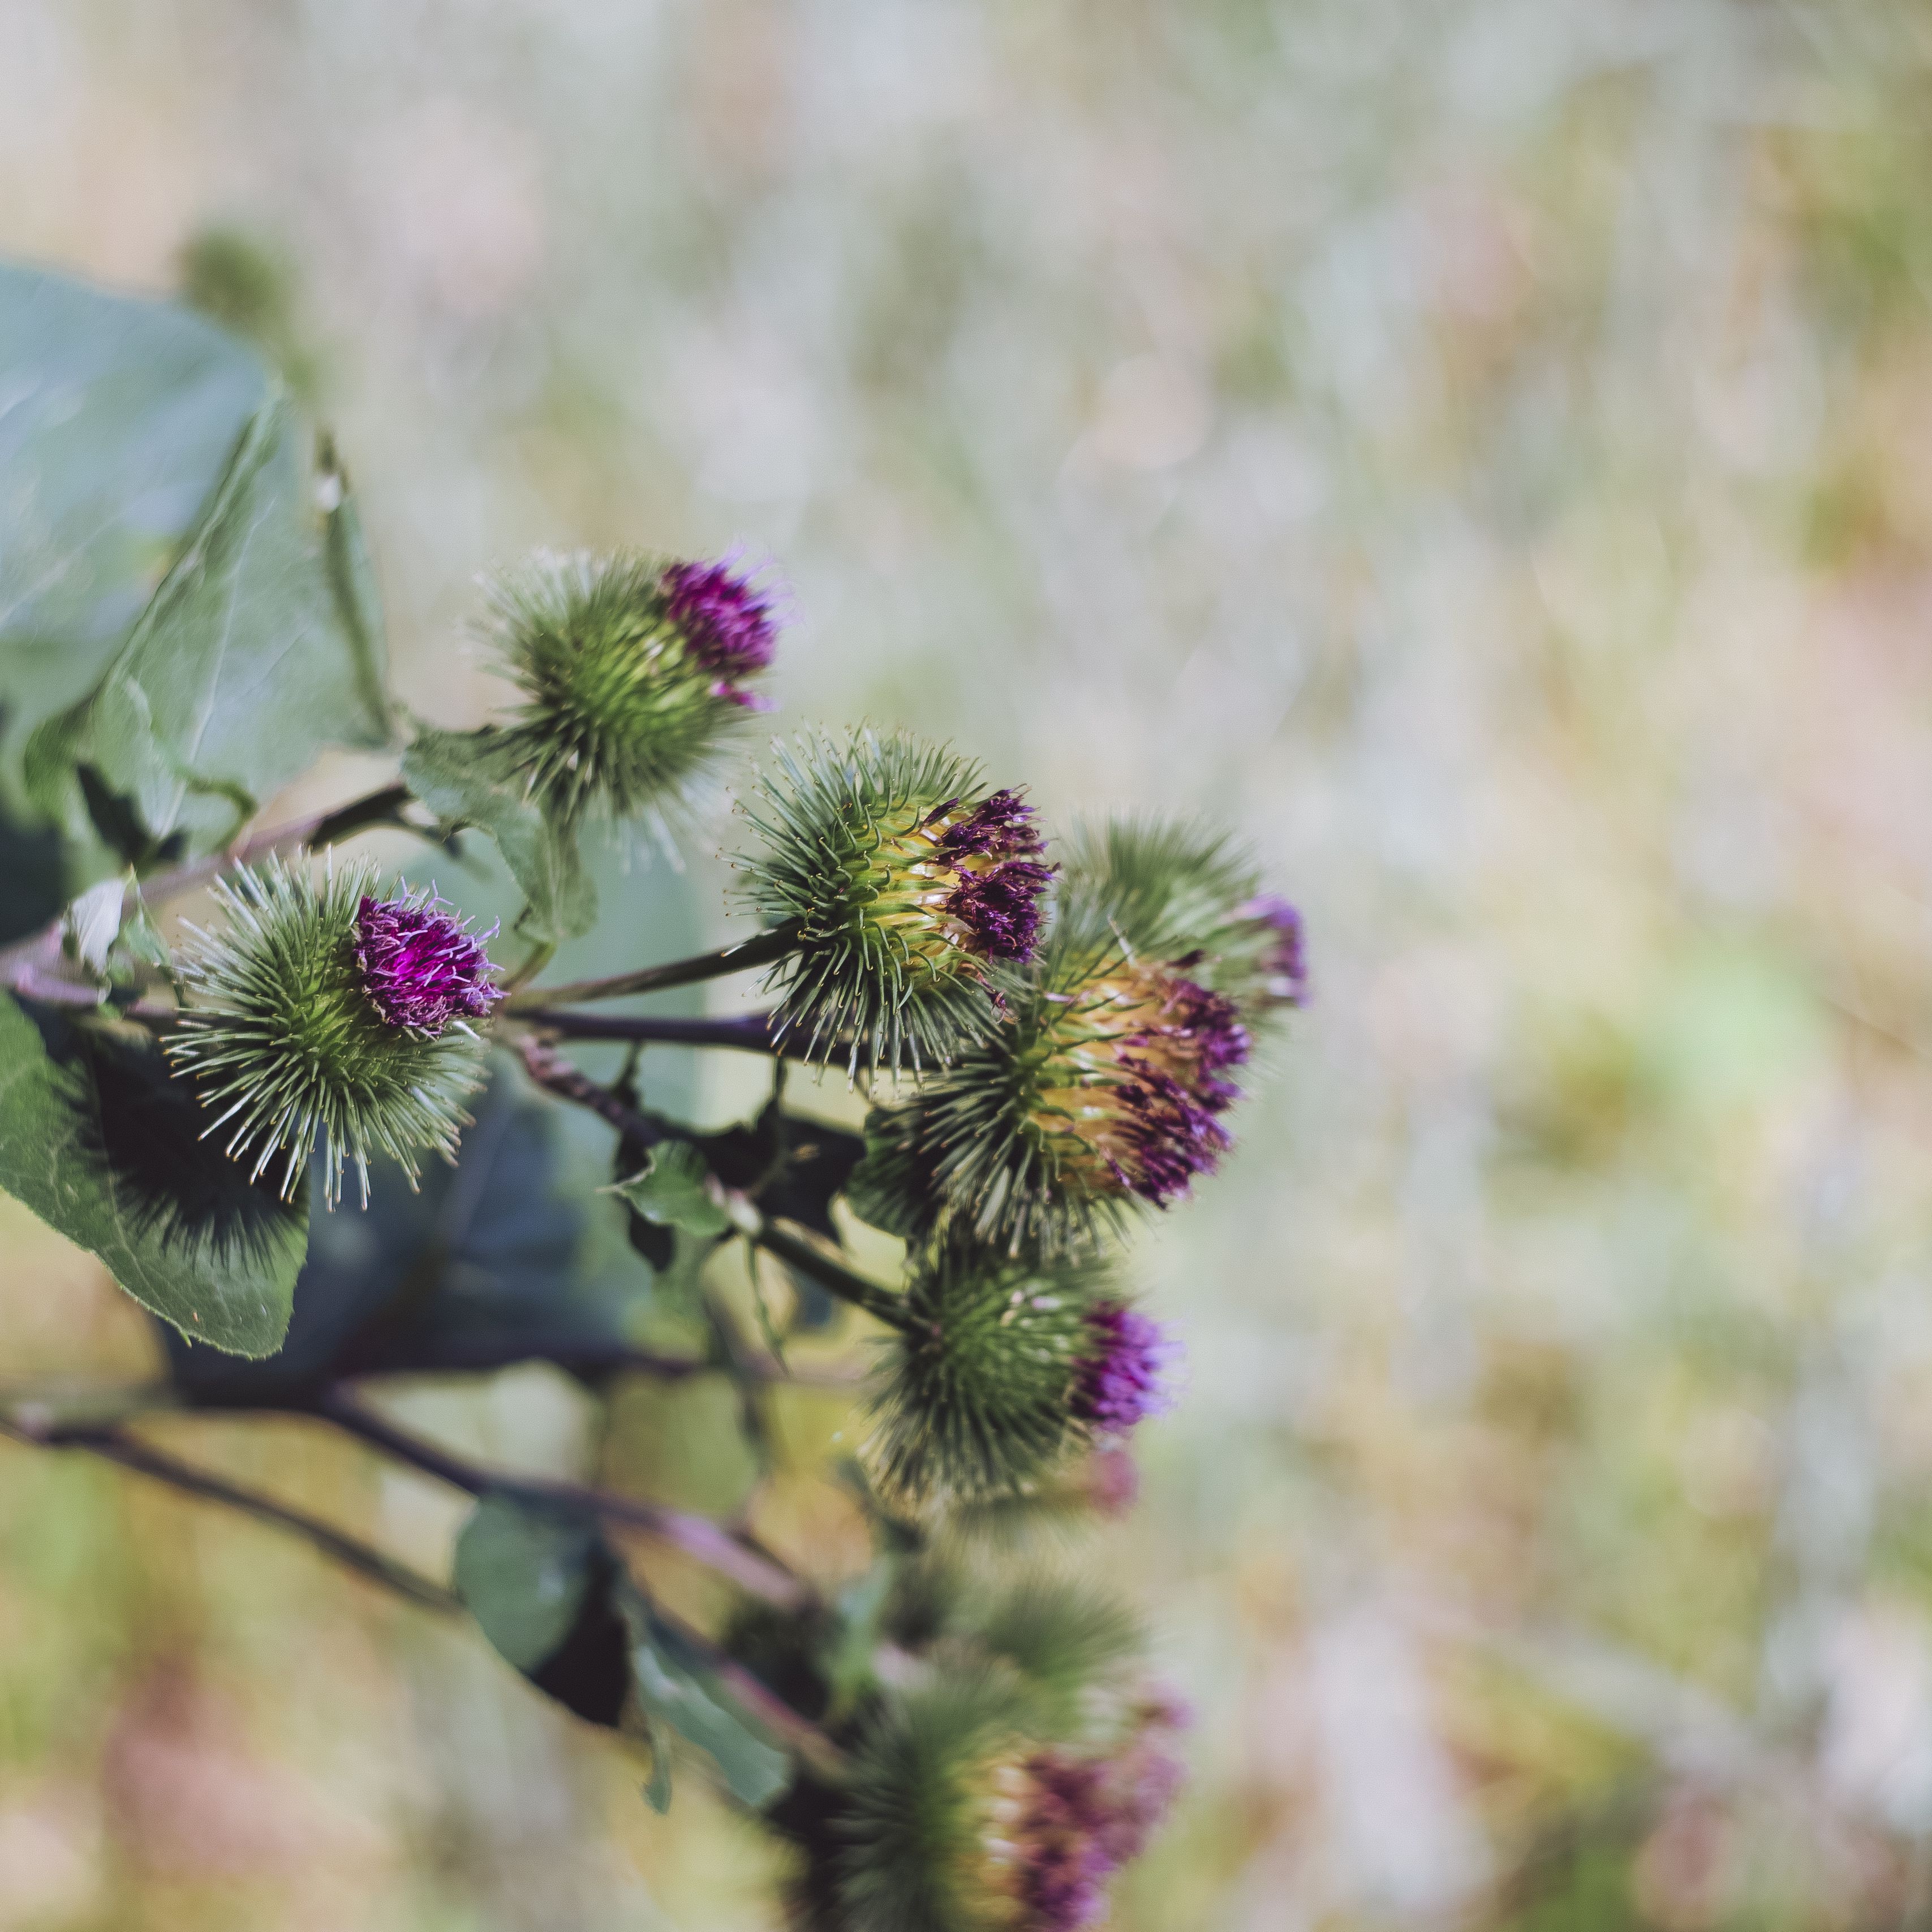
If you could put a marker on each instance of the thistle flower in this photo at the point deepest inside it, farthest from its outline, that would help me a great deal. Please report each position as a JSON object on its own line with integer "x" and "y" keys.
{"x": 323, "y": 1015}
{"x": 976, "y": 1397}
{"x": 422, "y": 969}
{"x": 956, "y": 1821}
{"x": 1104, "y": 1090}
{"x": 633, "y": 673}
{"x": 1120, "y": 1377}
{"x": 903, "y": 886}
{"x": 1187, "y": 895}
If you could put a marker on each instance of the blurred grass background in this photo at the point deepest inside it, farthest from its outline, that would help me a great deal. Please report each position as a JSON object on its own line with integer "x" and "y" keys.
{"x": 1482, "y": 449}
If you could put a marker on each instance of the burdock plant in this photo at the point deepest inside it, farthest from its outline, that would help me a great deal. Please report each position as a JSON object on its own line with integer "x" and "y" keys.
{"x": 945, "y": 1735}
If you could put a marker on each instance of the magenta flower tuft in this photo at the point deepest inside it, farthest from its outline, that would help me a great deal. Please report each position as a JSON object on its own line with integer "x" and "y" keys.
{"x": 727, "y": 624}
{"x": 421, "y": 969}
{"x": 1122, "y": 1378}
{"x": 1284, "y": 962}
{"x": 1168, "y": 1134}
{"x": 1075, "y": 1822}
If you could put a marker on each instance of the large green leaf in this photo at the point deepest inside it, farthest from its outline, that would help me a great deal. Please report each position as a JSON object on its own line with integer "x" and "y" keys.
{"x": 99, "y": 1141}
{"x": 465, "y": 778}
{"x": 261, "y": 646}
{"x": 551, "y": 1594}
{"x": 674, "y": 1189}
{"x": 117, "y": 420}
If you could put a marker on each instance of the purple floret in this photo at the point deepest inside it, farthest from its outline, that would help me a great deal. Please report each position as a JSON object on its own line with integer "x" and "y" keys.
{"x": 1000, "y": 908}
{"x": 1284, "y": 964}
{"x": 1213, "y": 1022}
{"x": 1000, "y": 827}
{"x": 727, "y": 624}
{"x": 1122, "y": 1379}
{"x": 1172, "y": 1134}
{"x": 419, "y": 966}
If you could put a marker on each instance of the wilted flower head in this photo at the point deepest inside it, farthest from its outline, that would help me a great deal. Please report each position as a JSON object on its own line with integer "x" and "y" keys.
{"x": 901, "y": 882}
{"x": 422, "y": 969}
{"x": 632, "y": 671}
{"x": 1120, "y": 1375}
{"x": 323, "y": 1015}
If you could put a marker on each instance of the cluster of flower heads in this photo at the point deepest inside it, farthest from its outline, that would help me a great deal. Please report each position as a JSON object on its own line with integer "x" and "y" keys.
{"x": 632, "y": 674}
{"x": 899, "y": 884}
{"x": 1064, "y": 1823}
{"x": 325, "y": 1017}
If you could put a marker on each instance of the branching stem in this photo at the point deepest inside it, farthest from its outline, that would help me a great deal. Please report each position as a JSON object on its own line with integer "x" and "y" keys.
{"x": 752, "y": 1034}
{"x": 797, "y": 1250}
{"x": 697, "y": 1536}
{"x": 761, "y": 949}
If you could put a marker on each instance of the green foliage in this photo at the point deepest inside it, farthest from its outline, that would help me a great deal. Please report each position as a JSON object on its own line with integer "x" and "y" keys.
{"x": 674, "y": 1188}
{"x": 553, "y": 1597}
{"x": 263, "y": 645}
{"x": 470, "y": 777}
{"x": 122, "y": 419}
{"x": 873, "y": 975}
{"x": 282, "y": 1041}
{"x": 103, "y": 1145}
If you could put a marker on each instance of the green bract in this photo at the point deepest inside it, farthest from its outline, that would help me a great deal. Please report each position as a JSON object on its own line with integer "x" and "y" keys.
{"x": 905, "y": 886}
{"x": 286, "y": 1049}
{"x": 622, "y": 710}
{"x": 974, "y": 1398}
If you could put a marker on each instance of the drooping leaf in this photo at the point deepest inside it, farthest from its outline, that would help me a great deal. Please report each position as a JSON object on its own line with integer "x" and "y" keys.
{"x": 540, "y": 1581}
{"x": 463, "y": 777}
{"x": 674, "y": 1190}
{"x": 117, "y": 420}
{"x": 677, "y": 1683}
{"x": 552, "y": 1595}
{"x": 103, "y": 1145}
{"x": 492, "y": 1262}
{"x": 261, "y": 646}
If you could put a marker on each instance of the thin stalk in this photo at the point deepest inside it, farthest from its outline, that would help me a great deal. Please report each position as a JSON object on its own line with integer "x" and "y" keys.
{"x": 752, "y": 1034}
{"x": 112, "y": 1445}
{"x": 796, "y": 1249}
{"x": 697, "y": 1536}
{"x": 760, "y": 949}
{"x": 539, "y": 956}
{"x": 555, "y": 1075}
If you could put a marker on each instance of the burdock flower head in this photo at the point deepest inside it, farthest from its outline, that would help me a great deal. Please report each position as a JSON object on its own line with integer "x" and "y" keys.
{"x": 633, "y": 673}
{"x": 1002, "y": 1366}
{"x": 1188, "y": 895}
{"x": 957, "y": 1823}
{"x": 324, "y": 1016}
{"x": 1106, "y": 1089}
{"x": 896, "y": 883}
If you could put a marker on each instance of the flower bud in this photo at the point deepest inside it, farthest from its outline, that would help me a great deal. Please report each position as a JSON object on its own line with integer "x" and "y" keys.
{"x": 905, "y": 884}
{"x": 322, "y": 1014}
{"x": 633, "y": 673}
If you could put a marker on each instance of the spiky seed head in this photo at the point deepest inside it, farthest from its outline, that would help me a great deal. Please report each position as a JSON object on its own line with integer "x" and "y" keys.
{"x": 1104, "y": 1088}
{"x": 633, "y": 673}
{"x": 1188, "y": 895}
{"x": 956, "y": 1822}
{"x": 323, "y": 1015}
{"x": 908, "y": 885}
{"x": 975, "y": 1398}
